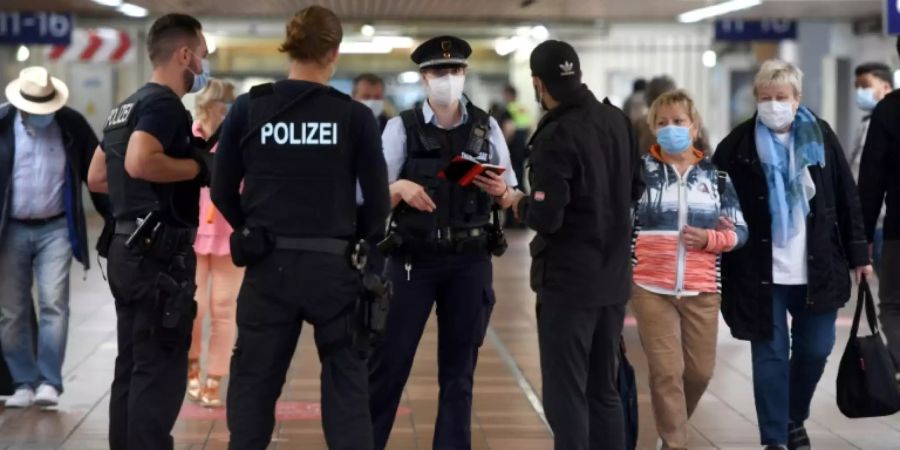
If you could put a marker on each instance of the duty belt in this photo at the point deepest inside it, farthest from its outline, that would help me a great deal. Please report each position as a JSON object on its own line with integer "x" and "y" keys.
{"x": 128, "y": 227}
{"x": 318, "y": 245}
{"x": 450, "y": 241}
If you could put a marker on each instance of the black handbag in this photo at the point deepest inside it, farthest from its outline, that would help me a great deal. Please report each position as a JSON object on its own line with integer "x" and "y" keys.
{"x": 866, "y": 386}
{"x": 628, "y": 394}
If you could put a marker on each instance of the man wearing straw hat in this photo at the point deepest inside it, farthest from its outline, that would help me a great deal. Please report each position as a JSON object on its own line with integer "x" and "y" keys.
{"x": 45, "y": 151}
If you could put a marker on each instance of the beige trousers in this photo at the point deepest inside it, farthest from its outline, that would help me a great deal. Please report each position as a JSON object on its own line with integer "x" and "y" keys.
{"x": 679, "y": 339}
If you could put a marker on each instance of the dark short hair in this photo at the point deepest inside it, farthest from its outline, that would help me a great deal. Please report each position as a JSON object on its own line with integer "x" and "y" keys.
{"x": 169, "y": 33}
{"x": 367, "y": 77}
{"x": 509, "y": 89}
{"x": 370, "y": 78}
{"x": 658, "y": 86}
{"x": 639, "y": 84}
{"x": 877, "y": 70}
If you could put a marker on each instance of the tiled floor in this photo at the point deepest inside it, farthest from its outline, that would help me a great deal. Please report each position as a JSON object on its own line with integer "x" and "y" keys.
{"x": 504, "y": 418}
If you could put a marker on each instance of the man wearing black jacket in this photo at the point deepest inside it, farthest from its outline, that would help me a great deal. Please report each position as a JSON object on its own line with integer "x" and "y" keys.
{"x": 879, "y": 184}
{"x": 45, "y": 151}
{"x": 586, "y": 176}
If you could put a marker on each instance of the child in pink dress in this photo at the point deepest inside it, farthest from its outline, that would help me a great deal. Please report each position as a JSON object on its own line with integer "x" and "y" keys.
{"x": 218, "y": 279}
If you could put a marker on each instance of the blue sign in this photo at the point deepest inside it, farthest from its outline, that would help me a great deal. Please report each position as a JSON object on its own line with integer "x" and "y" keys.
{"x": 35, "y": 27}
{"x": 892, "y": 16}
{"x": 755, "y": 30}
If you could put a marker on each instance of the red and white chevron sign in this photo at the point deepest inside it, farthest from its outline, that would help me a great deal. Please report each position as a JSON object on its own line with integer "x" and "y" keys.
{"x": 95, "y": 45}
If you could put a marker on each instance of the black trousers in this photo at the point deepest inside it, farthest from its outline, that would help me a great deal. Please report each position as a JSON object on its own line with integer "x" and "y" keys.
{"x": 150, "y": 375}
{"x": 461, "y": 287}
{"x": 889, "y": 296}
{"x": 277, "y": 296}
{"x": 579, "y": 357}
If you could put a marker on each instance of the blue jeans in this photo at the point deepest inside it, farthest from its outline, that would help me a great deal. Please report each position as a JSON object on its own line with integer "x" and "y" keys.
{"x": 787, "y": 369}
{"x": 30, "y": 253}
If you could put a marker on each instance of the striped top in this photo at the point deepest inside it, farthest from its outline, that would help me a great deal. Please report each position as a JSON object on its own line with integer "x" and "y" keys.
{"x": 662, "y": 263}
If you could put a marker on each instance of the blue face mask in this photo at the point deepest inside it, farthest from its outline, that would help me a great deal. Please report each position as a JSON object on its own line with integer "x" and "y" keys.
{"x": 39, "y": 120}
{"x": 674, "y": 139}
{"x": 200, "y": 79}
{"x": 865, "y": 99}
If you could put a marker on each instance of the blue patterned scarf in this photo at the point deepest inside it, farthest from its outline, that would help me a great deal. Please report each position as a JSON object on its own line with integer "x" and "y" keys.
{"x": 788, "y": 199}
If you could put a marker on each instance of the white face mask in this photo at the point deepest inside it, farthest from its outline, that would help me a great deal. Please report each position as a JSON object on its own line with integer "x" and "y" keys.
{"x": 776, "y": 115}
{"x": 377, "y": 106}
{"x": 446, "y": 89}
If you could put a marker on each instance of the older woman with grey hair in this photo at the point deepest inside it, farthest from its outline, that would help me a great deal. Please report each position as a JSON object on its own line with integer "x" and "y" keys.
{"x": 806, "y": 233}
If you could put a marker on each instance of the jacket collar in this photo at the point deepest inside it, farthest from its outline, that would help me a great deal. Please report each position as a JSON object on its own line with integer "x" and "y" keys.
{"x": 583, "y": 97}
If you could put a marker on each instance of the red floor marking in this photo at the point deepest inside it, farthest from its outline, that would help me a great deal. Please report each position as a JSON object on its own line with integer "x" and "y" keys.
{"x": 284, "y": 411}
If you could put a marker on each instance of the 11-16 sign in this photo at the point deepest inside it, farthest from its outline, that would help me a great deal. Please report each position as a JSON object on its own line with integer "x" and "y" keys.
{"x": 35, "y": 27}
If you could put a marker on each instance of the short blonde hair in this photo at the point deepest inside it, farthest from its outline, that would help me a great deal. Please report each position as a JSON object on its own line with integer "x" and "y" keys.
{"x": 680, "y": 98}
{"x": 216, "y": 91}
{"x": 775, "y": 72}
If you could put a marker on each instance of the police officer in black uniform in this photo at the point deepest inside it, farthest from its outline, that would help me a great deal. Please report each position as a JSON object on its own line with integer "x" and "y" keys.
{"x": 153, "y": 171}
{"x": 440, "y": 241}
{"x": 300, "y": 147}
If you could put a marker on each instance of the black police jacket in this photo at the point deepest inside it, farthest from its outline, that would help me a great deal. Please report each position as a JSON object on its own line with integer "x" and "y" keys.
{"x": 585, "y": 178}
{"x": 834, "y": 229}
{"x": 79, "y": 143}
{"x": 879, "y": 182}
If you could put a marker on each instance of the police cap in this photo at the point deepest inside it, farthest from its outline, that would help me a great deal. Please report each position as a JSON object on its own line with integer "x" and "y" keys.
{"x": 444, "y": 51}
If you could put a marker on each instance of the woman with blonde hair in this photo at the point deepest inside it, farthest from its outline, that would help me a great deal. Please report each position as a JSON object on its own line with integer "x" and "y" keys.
{"x": 806, "y": 234}
{"x": 218, "y": 279}
{"x": 689, "y": 215}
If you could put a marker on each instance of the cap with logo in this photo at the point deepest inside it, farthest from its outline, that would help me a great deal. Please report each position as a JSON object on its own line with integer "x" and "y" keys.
{"x": 442, "y": 51}
{"x": 36, "y": 92}
{"x": 557, "y": 65}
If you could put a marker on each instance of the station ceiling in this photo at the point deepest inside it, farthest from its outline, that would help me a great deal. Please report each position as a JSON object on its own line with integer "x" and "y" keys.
{"x": 476, "y": 10}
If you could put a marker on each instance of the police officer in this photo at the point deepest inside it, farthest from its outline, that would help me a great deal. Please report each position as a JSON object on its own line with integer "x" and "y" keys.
{"x": 440, "y": 241}
{"x": 153, "y": 172}
{"x": 299, "y": 147}
{"x": 585, "y": 176}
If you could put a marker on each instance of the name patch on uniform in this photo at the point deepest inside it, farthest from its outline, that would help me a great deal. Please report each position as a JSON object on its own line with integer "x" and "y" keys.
{"x": 119, "y": 115}
{"x": 303, "y": 133}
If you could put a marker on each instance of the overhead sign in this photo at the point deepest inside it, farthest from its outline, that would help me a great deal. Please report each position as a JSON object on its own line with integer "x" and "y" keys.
{"x": 892, "y": 16}
{"x": 755, "y": 30}
{"x": 35, "y": 27}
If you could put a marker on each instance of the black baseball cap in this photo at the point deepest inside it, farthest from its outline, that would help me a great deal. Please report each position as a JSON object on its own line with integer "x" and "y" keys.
{"x": 557, "y": 65}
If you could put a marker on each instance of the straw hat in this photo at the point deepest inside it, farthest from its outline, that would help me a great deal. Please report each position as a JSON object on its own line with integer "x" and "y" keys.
{"x": 36, "y": 92}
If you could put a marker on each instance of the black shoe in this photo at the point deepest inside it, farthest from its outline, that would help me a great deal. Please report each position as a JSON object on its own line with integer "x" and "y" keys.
{"x": 774, "y": 447}
{"x": 797, "y": 437}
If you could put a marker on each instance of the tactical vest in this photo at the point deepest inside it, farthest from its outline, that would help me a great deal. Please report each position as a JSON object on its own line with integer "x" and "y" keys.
{"x": 299, "y": 171}
{"x": 131, "y": 198}
{"x": 428, "y": 151}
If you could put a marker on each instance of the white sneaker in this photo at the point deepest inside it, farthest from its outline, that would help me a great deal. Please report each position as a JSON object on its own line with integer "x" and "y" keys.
{"x": 23, "y": 398}
{"x": 46, "y": 396}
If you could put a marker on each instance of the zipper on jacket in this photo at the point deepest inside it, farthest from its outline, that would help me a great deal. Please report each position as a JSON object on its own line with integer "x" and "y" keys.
{"x": 681, "y": 253}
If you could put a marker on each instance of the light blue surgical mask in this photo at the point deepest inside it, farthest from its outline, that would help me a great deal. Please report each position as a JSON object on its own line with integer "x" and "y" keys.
{"x": 865, "y": 99}
{"x": 39, "y": 120}
{"x": 674, "y": 139}
{"x": 200, "y": 79}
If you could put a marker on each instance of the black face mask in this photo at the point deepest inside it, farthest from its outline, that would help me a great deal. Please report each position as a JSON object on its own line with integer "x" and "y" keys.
{"x": 539, "y": 99}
